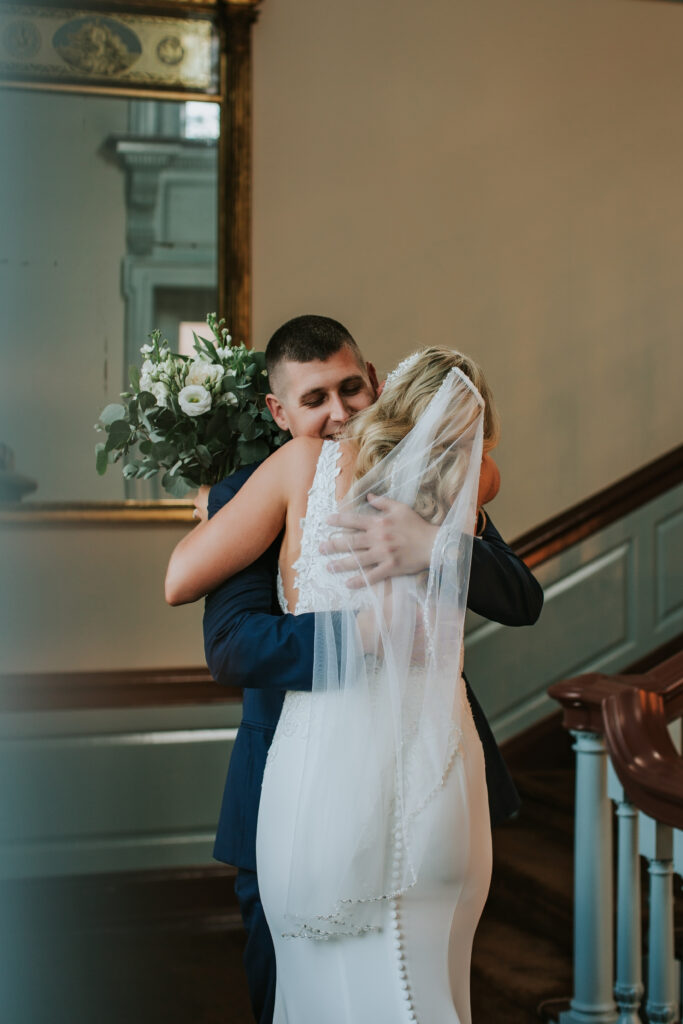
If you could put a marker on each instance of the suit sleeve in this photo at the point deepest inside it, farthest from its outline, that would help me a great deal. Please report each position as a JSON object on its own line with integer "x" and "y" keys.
{"x": 245, "y": 642}
{"x": 502, "y": 588}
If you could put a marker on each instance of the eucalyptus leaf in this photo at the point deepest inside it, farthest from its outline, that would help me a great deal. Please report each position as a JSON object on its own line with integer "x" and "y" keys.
{"x": 163, "y": 450}
{"x": 119, "y": 434}
{"x": 246, "y": 426}
{"x": 204, "y": 455}
{"x": 112, "y": 412}
{"x": 176, "y": 486}
{"x": 101, "y": 460}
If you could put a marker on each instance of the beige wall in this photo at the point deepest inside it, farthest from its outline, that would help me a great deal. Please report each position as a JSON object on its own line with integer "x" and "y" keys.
{"x": 505, "y": 177}
{"x": 500, "y": 177}
{"x": 88, "y": 597}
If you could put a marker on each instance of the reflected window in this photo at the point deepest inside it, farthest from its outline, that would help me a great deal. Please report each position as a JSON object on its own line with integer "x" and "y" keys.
{"x": 201, "y": 120}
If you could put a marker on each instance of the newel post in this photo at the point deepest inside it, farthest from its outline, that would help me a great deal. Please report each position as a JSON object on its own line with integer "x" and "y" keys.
{"x": 593, "y": 998}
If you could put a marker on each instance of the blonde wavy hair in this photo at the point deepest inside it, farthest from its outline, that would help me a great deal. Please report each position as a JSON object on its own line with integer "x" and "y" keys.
{"x": 378, "y": 429}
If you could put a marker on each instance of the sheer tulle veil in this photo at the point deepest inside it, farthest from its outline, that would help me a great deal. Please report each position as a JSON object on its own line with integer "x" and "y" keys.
{"x": 388, "y": 697}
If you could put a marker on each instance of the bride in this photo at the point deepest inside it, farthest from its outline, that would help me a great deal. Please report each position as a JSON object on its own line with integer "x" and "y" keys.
{"x": 373, "y": 843}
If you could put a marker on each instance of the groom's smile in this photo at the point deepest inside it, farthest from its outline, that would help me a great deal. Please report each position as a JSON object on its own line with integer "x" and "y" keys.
{"x": 316, "y": 398}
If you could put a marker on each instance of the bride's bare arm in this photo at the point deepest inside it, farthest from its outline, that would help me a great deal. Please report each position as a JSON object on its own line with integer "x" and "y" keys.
{"x": 243, "y": 529}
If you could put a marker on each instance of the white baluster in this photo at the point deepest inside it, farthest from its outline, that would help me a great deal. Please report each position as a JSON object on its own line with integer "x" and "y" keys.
{"x": 656, "y": 843}
{"x": 593, "y": 888}
{"x": 628, "y": 990}
{"x": 678, "y": 852}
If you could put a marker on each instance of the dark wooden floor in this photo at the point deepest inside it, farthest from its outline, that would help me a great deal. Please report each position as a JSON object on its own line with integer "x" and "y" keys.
{"x": 167, "y": 948}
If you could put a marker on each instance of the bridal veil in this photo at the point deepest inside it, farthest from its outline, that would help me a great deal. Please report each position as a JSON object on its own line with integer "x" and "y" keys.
{"x": 387, "y": 702}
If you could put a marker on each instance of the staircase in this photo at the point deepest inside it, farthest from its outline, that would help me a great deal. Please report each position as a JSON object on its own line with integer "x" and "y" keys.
{"x": 523, "y": 947}
{"x": 166, "y": 947}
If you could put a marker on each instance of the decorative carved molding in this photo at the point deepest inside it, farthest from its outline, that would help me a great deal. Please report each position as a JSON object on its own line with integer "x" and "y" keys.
{"x": 152, "y": 49}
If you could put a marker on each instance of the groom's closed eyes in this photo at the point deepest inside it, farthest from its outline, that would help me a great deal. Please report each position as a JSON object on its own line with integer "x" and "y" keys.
{"x": 349, "y": 386}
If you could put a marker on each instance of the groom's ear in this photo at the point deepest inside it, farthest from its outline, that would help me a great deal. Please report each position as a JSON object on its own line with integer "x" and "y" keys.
{"x": 372, "y": 374}
{"x": 277, "y": 411}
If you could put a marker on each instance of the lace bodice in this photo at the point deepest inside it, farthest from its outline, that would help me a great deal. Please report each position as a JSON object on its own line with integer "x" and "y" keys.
{"x": 318, "y": 588}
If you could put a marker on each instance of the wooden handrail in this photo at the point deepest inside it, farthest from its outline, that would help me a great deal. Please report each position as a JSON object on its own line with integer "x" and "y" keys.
{"x": 632, "y": 713}
{"x": 643, "y": 754}
{"x": 601, "y": 509}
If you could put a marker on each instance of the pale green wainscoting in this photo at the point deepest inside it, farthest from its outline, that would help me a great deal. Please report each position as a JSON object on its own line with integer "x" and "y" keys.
{"x": 101, "y": 791}
{"x": 608, "y": 601}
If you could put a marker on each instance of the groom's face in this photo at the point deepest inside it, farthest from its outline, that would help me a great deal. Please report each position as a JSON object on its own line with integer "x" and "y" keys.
{"x": 316, "y": 399}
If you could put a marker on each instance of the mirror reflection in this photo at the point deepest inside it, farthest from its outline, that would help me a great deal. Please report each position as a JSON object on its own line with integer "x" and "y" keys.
{"x": 110, "y": 231}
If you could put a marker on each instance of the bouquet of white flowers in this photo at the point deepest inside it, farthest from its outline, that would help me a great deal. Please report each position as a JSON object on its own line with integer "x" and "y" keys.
{"x": 196, "y": 420}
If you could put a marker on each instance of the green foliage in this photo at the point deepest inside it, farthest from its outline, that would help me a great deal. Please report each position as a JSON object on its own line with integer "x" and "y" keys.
{"x": 194, "y": 421}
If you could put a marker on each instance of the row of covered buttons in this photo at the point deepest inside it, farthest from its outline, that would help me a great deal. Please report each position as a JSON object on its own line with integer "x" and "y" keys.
{"x": 401, "y": 957}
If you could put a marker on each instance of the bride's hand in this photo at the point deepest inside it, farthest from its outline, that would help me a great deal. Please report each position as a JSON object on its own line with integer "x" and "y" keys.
{"x": 397, "y": 543}
{"x": 201, "y": 504}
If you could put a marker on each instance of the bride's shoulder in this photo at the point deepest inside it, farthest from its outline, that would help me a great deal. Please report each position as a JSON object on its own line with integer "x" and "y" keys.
{"x": 303, "y": 451}
{"x": 298, "y": 458}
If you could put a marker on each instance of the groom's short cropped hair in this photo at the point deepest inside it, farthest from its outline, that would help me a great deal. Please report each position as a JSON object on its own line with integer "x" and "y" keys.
{"x": 305, "y": 338}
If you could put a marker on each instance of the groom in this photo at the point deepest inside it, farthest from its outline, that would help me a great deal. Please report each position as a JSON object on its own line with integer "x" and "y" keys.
{"x": 319, "y": 379}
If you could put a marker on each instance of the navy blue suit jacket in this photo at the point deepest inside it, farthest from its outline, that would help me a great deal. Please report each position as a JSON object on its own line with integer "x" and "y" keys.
{"x": 249, "y": 643}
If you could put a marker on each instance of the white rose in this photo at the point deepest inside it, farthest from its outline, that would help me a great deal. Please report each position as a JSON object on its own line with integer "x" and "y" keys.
{"x": 201, "y": 372}
{"x": 160, "y": 392}
{"x": 194, "y": 400}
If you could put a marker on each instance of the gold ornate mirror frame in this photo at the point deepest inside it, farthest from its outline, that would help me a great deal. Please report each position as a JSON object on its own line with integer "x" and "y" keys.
{"x": 223, "y": 29}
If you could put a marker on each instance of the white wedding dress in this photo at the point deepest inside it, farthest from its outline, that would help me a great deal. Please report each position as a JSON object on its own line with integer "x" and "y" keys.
{"x": 416, "y": 966}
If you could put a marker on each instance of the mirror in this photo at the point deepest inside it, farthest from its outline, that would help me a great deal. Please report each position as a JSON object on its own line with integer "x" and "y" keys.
{"x": 110, "y": 232}
{"x": 125, "y": 180}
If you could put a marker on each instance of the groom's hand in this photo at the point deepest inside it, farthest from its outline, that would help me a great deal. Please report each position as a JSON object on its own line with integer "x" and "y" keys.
{"x": 397, "y": 543}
